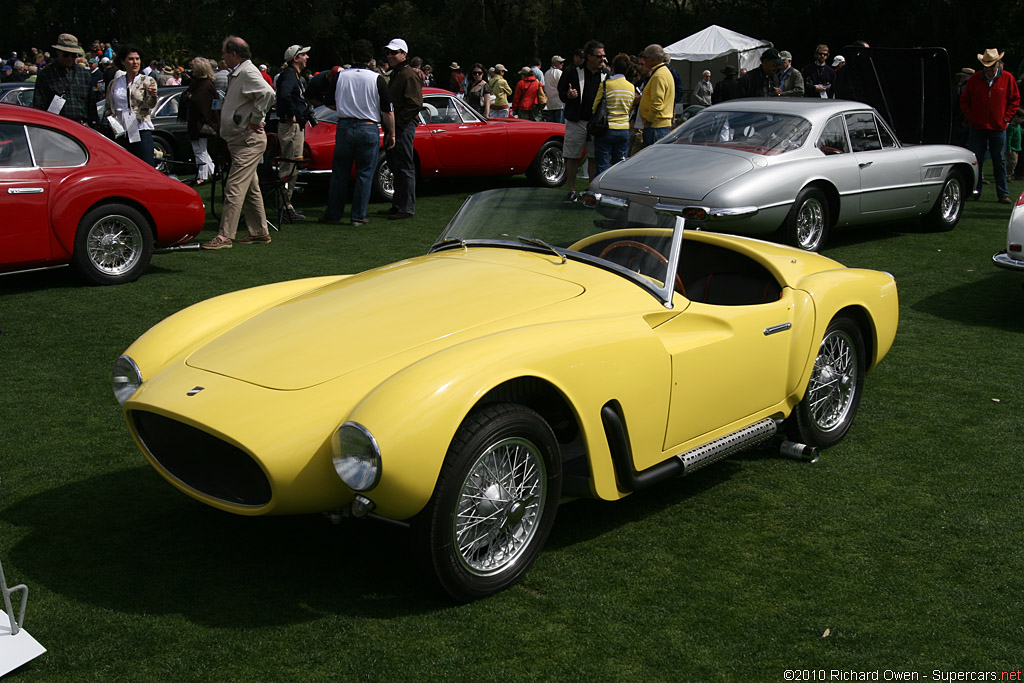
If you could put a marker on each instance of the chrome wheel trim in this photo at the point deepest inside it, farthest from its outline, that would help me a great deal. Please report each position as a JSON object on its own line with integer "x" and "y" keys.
{"x": 552, "y": 165}
{"x": 114, "y": 245}
{"x": 950, "y": 201}
{"x": 833, "y": 384}
{"x": 387, "y": 179}
{"x": 500, "y": 506}
{"x": 810, "y": 223}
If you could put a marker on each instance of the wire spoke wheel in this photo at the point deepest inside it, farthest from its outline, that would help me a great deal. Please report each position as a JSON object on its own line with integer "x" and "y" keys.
{"x": 807, "y": 224}
{"x": 833, "y": 381}
{"x": 499, "y": 506}
{"x": 115, "y": 245}
{"x": 951, "y": 201}
{"x": 810, "y": 222}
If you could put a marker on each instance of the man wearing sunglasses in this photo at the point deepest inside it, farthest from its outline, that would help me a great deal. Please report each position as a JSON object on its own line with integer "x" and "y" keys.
{"x": 818, "y": 75}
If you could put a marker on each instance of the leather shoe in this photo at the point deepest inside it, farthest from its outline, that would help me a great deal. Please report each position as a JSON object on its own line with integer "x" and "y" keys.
{"x": 359, "y": 221}
{"x": 329, "y": 221}
{"x": 387, "y": 212}
{"x": 399, "y": 215}
{"x": 1005, "y": 200}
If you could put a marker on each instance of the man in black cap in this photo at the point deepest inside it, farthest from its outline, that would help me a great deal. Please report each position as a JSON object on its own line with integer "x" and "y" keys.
{"x": 728, "y": 88}
{"x": 65, "y": 87}
{"x": 758, "y": 82}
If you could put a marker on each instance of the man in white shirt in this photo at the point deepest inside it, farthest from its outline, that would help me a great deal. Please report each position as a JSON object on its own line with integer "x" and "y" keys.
{"x": 554, "y": 110}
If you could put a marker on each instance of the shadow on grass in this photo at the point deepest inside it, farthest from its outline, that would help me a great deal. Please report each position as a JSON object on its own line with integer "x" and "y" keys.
{"x": 987, "y": 302}
{"x": 127, "y": 542}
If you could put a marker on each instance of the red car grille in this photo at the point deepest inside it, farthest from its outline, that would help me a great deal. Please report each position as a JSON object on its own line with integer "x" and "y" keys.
{"x": 202, "y": 461}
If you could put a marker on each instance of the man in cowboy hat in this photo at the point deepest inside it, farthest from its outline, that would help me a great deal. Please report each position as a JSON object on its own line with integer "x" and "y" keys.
{"x": 988, "y": 102}
{"x": 65, "y": 87}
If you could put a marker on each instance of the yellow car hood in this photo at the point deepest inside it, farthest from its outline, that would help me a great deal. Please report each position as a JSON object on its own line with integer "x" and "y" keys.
{"x": 350, "y": 324}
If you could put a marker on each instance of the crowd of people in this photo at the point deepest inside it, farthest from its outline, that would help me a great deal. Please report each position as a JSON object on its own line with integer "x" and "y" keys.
{"x": 609, "y": 107}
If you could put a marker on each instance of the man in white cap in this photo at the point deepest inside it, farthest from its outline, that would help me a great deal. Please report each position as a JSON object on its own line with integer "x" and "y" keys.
{"x": 65, "y": 87}
{"x": 291, "y": 115}
{"x": 406, "y": 88}
{"x": 554, "y": 110}
{"x": 988, "y": 102}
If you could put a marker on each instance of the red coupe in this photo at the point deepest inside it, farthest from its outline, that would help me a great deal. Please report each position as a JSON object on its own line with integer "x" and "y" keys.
{"x": 453, "y": 140}
{"x": 69, "y": 195}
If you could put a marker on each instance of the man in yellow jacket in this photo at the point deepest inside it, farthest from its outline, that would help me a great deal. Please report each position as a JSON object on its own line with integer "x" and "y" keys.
{"x": 658, "y": 100}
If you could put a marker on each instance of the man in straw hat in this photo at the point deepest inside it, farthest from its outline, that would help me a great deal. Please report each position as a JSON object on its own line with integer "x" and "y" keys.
{"x": 988, "y": 102}
{"x": 65, "y": 87}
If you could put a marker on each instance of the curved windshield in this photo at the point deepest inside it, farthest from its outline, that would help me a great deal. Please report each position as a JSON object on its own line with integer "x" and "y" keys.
{"x": 749, "y": 131}
{"x": 632, "y": 240}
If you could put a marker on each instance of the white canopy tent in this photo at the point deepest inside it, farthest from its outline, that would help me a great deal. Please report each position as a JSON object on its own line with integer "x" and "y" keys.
{"x": 713, "y": 49}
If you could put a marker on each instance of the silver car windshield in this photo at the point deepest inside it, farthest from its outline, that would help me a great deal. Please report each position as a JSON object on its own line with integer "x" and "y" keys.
{"x": 748, "y": 131}
{"x": 632, "y": 240}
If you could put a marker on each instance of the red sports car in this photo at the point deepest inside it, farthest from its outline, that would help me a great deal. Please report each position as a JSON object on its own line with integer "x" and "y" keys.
{"x": 69, "y": 195}
{"x": 453, "y": 140}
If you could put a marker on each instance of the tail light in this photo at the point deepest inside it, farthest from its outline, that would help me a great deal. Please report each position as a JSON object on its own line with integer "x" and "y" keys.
{"x": 695, "y": 213}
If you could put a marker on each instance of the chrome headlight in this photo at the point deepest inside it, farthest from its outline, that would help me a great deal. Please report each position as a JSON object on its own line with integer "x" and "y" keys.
{"x": 356, "y": 456}
{"x": 127, "y": 378}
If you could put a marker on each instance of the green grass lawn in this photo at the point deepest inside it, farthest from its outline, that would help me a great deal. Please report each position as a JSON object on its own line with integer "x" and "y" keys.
{"x": 901, "y": 549}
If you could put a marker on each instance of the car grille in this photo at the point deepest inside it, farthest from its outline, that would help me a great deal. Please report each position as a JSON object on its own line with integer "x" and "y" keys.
{"x": 202, "y": 461}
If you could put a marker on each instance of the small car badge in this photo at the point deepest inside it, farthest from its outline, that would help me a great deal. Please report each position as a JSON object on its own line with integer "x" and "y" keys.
{"x": 193, "y": 391}
{"x": 646, "y": 189}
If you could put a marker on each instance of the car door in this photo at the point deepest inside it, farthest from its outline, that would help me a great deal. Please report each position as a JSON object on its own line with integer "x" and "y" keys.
{"x": 24, "y": 201}
{"x": 463, "y": 141}
{"x": 890, "y": 176}
{"x": 730, "y": 362}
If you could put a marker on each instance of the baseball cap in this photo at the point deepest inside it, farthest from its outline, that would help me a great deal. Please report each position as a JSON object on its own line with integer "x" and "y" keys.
{"x": 397, "y": 45}
{"x": 293, "y": 52}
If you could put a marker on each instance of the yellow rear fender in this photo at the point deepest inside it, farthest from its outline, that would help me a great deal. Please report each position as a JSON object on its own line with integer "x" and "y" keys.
{"x": 415, "y": 413}
{"x": 867, "y": 296}
{"x": 178, "y": 335}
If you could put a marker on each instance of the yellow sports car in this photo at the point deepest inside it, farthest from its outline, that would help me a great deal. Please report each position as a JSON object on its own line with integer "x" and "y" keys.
{"x": 540, "y": 351}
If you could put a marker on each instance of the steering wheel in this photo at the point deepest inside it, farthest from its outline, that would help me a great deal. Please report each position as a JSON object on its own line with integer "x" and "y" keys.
{"x": 647, "y": 249}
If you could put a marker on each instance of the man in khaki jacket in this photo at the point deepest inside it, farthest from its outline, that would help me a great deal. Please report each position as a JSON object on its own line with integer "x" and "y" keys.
{"x": 246, "y": 104}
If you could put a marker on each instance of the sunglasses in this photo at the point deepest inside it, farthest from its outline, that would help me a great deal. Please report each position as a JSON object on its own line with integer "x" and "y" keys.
{"x": 478, "y": 73}
{"x": 823, "y": 54}
{"x": 394, "y": 52}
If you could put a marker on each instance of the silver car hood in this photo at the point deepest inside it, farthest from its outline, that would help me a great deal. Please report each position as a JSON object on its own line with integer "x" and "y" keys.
{"x": 674, "y": 171}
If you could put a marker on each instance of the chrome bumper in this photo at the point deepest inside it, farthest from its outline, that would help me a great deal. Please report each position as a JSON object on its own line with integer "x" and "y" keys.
{"x": 1004, "y": 260}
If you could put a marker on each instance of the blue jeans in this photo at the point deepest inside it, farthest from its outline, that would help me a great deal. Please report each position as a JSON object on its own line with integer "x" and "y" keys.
{"x": 993, "y": 141}
{"x": 499, "y": 113}
{"x": 143, "y": 149}
{"x": 554, "y": 115}
{"x": 403, "y": 169}
{"x": 355, "y": 142}
{"x": 611, "y": 148}
{"x": 652, "y": 135}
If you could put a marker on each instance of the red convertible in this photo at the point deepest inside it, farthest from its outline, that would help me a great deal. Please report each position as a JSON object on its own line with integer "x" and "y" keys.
{"x": 453, "y": 140}
{"x": 69, "y": 195}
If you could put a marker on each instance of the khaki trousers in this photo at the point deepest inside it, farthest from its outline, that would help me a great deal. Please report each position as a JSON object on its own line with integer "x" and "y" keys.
{"x": 291, "y": 136}
{"x": 242, "y": 188}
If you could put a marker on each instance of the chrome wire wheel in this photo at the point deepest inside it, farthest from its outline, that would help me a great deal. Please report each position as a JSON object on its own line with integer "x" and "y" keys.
{"x": 499, "y": 506}
{"x": 114, "y": 245}
{"x": 834, "y": 381}
{"x": 810, "y": 224}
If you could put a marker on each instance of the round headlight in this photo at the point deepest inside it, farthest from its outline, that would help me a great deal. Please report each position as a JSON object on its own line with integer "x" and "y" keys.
{"x": 127, "y": 378}
{"x": 356, "y": 456}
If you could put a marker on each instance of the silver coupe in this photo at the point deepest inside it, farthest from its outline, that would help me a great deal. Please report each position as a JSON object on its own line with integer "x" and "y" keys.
{"x": 799, "y": 166}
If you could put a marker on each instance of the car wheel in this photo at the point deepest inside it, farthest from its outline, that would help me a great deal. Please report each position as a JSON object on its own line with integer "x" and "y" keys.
{"x": 494, "y": 503}
{"x": 949, "y": 206}
{"x": 548, "y": 168}
{"x": 827, "y": 410}
{"x": 383, "y": 181}
{"x": 113, "y": 244}
{"x": 808, "y": 221}
{"x": 163, "y": 154}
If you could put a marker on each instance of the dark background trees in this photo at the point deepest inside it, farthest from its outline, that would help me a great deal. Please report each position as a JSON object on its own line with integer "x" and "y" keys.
{"x": 514, "y": 31}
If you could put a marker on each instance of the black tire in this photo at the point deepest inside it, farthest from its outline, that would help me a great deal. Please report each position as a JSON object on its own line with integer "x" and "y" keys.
{"x": 548, "y": 167}
{"x": 163, "y": 154}
{"x": 502, "y": 466}
{"x": 383, "y": 181}
{"x": 833, "y": 393}
{"x": 113, "y": 244}
{"x": 949, "y": 205}
{"x": 807, "y": 224}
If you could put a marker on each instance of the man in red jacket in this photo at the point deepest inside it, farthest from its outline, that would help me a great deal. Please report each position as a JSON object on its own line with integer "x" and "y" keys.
{"x": 989, "y": 100}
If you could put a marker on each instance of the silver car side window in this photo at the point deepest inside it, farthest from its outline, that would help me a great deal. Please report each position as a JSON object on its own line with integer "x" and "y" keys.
{"x": 863, "y": 132}
{"x": 887, "y": 139}
{"x": 52, "y": 149}
{"x": 833, "y": 137}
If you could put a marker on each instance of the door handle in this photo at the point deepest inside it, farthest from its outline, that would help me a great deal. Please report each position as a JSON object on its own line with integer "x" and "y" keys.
{"x": 25, "y": 190}
{"x": 865, "y": 164}
{"x": 437, "y": 130}
{"x": 775, "y": 329}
